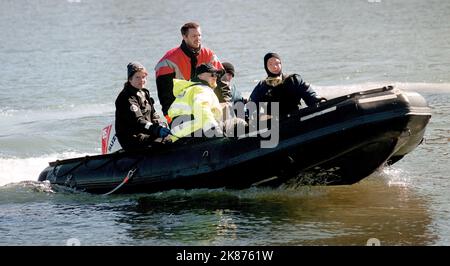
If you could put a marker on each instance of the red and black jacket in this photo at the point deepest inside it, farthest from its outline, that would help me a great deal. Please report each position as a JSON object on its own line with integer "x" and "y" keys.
{"x": 180, "y": 63}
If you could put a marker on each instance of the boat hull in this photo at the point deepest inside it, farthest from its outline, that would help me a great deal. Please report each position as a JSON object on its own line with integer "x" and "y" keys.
{"x": 338, "y": 143}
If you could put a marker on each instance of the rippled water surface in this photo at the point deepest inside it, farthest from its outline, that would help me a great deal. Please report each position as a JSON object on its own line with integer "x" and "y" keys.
{"x": 64, "y": 62}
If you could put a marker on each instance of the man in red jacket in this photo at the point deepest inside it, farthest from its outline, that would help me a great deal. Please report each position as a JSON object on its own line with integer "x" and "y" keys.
{"x": 180, "y": 63}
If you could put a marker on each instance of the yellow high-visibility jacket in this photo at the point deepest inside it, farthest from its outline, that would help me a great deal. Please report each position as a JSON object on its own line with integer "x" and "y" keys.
{"x": 194, "y": 99}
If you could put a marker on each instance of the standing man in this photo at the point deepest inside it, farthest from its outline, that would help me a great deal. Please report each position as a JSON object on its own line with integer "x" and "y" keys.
{"x": 181, "y": 62}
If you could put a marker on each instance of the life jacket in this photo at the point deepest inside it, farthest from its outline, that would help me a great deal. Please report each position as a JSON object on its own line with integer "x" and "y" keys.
{"x": 196, "y": 100}
{"x": 176, "y": 61}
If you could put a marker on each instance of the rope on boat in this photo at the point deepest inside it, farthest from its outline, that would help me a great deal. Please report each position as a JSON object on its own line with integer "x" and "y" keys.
{"x": 125, "y": 180}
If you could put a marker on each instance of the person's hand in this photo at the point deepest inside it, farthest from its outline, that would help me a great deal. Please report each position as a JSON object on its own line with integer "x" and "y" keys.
{"x": 321, "y": 99}
{"x": 218, "y": 131}
{"x": 163, "y": 124}
{"x": 265, "y": 117}
{"x": 166, "y": 140}
{"x": 233, "y": 124}
{"x": 163, "y": 132}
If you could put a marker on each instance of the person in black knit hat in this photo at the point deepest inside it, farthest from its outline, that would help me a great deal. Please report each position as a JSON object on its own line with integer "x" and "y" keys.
{"x": 137, "y": 124}
{"x": 287, "y": 90}
{"x": 226, "y": 91}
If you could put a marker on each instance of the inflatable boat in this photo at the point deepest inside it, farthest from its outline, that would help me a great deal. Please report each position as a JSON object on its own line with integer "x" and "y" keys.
{"x": 338, "y": 142}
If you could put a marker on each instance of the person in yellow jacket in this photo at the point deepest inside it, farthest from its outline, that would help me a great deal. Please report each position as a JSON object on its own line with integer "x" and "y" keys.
{"x": 196, "y": 110}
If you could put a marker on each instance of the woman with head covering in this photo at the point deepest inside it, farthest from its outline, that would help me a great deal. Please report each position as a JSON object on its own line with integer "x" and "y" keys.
{"x": 287, "y": 90}
{"x": 137, "y": 123}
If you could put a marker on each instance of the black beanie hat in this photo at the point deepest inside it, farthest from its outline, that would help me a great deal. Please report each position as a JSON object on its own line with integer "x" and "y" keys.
{"x": 134, "y": 67}
{"x": 229, "y": 68}
{"x": 266, "y": 58}
{"x": 208, "y": 68}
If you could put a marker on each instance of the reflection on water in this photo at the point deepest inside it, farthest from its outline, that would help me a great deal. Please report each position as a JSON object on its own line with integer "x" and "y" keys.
{"x": 59, "y": 48}
{"x": 386, "y": 206}
{"x": 346, "y": 215}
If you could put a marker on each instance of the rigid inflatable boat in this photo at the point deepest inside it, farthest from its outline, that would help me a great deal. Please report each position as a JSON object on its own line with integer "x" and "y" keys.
{"x": 338, "y": 142}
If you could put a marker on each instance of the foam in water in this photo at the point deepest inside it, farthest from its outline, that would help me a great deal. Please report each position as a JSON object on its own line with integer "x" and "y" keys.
{"x": 13, "y": 170}
{"x": 64, "y": 112}
{"x": 396, "y": 176}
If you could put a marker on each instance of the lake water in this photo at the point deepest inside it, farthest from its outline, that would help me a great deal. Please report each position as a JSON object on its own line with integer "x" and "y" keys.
{"x": 64, "y": 62}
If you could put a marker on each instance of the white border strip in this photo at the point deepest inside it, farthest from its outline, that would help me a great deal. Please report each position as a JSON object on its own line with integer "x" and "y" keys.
{"x": 306, "y": 117}
{"x": 379, "y": 98}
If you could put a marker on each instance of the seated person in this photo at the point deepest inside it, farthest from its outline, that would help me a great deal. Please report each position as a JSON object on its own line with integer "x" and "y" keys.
{"x": 137, "y": 124}
{"x": 226, "y": 91}
{"x": 287, "y": 90}
{"x": 196, "y": 109}
{"x": 228, "y": 96}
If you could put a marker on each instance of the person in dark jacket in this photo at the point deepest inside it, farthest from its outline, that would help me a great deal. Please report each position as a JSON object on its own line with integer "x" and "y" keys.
{"x": 137, "y": 123}
{"x": 228, "y": 97}
{"x": 226, "y": 91}
{"x": 287, "y": 90}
